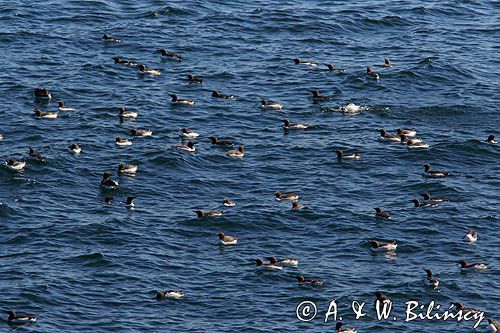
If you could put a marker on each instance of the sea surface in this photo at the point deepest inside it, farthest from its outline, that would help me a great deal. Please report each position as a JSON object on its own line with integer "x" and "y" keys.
{"x": 83, "y": 266}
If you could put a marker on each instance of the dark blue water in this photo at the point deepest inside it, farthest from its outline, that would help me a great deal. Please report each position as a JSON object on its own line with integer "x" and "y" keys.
{"x": 82, "y": 266}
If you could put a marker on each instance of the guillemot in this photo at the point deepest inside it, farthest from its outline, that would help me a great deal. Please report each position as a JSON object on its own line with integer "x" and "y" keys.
{"x": 121, "y": 61}
{"x": 20, "y": 318}
{"x": 141, "y": 132}
{"x": 127, "y": 114}
{"x": 218, "y": 94}
{"x": 215, "y": 141}
{"x": 187, "y": 133}
{"x": 419, "y": 203}
{"x": 317, "y": 97}
{"x": 167, "y": 55}
{"x": 176, "y": 294}
{"x": 36, "y": 155}
{"x": 195, "y": 79}
{"x": 310, "y": 281}
{"x": 178, "y": 101}
{"x": 380, "y": 213}
{"x": 42, "y": 93}
{"x": 240, "y": 152}
{"x": 226, "y": 239}
{"x": 491, "y": 139}
{"x": 428, "y": 197}
{"x": 289, "y": 125}
{"x": 384, "y": 136}
{"x": 464, "y": 265}
{"x": 260, "y": 264}
{"x": 283, "y": 261}
{"x": 470, "y": 236}
{"x": 298, "y": 61}
{"x": 62, "y": 107}
{"x": 108, "y": 38}
{"x": 286, "y": 196}
{"x": 146, "y": 70}
{"x": 297, "y": 206}
{"x": 44, "y": 115}
{"x": 387, "y": 63}
{"x": 129, "y": 202}
{"x": 75, "y": 148}
{"x": 371, "y": 73}
{"x": 204, "y": 213}
{"x": 189, "y": 147}
{"x": 108, "y": 183}
{"x": 15, "y": 165}
{"x": 406, "y": 131}
{"x": 122, "y": 141}
{"x": 228, "y": 203}
{"x": 127, "y": 168}
{"x": 270, "y": 105}
{"x": 332, "y": 68}
{"x": 377, "y": 246}
{"x": 338, "y": 328}
{"x": 434, "y": 173}
{"x": 430, "y": 280}
{"x": 341, "y": 154}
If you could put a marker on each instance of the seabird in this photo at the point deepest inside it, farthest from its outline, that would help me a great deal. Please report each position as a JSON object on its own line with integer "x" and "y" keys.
{"x": 122, "y": 141}
{"x": 289, "y": 125}
{"x": 45, "y": 115}
{"x": 161, "y": 295}
{"x": 187, "y": 133}
{"x": 286, "y": 196}
{"x": 216, "y": 141}
{"x": 313, "y": 282}
{"x": 464, "y": 265}
{"x": 20, "y": 319}
{"x": 371, "y": 73}
{"x": 107, "y": 182}
{"x": 195, "y": 79}
{"x": 15, "y": 165}
{"x": 228, "y": 203}
{"x": 218, "y": 94}
{"x": 318, "y": 97}
{"x": 189, "y": 147}
{"x": 296, "y": 206}
{"x": 146, "y": 70}
{"x": 341, "y": 154}
{"x": 260, "y": 264}
{"x": 42, "y": 93}
{"x": 75, "y": 149}
{"x": 127, "y": 168}
{"x": 377, "y": 246}
{"x": 236, "y": 153}
{"x": 36, "y": 155}
{"x": 491, "y": 139}
{"x": 428, "y": 197}
{"x": 430, "y": 280}
{"x": 129, "y": 203}
{"x": 419, "y": 203}
{"x": 380, "y": 213}
{"x": 470, "y": 236}
{"x": 108, "y": 38}
{"x": 178, "y": 101}
{"x": 434, "y": 173}
{"x": 226, "y": 239}
{"x": 127, "y": 114}
{"x": 270, "y": 105}
{"x": 62, "y": 107}
{"x": 284, "y": 261}
{"x": 298, "y": 61}
{"x": 387, "y": 63}
{"x": 170, "y": 55}
{"x": 202, "y": 213}
{"x": 338, "y": 328}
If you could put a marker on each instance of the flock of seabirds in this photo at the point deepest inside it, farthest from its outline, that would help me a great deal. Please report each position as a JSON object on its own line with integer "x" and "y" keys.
{"x": 407, "y": 137}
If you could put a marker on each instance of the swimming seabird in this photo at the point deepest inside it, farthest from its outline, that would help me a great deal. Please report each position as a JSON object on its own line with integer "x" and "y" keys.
{"x": 195, "y": 79}
{"x": 216, "y": 141}
{"x": 121, "y": 61}
{"x": 107, "y": 182}
{"x": 20, "y": 318}
{"x": 416, "y": 144}
{"x": 36, "y": 155}
{"x": 260, "y": 264}
{"x": 176, "y": 294}
{"x": 283, "y": 261}
{"x": 286, "y": 196}
{"x": 380, "y": 213}
{"x": 464, "y": 265}
{"x": 381, "y": 298}
{"x": 338, "y": 328}
{"x": 428, "y": 197}
{"x": 108, "y": 38}
{"x": 127, "y": 114}
{"x": 387, "y": 63}
{"x": 430, "y": 280}
{"x": 406, "y": 131}
{"x": 15, "y": 165}
{"x": 470, "y": 236}
{"x": 296, "y": 206}
{"x": 377, "y": 246}
{"x": 127, "y": 168}
{"x": 62, "y": 107}
{"x": 270, "y": 105}
{"x": 298, "y": 61}
{"x": 240, "y": 152}
{"x": 226, "y": 239}
{"x": 218, "y": 94}
{"x": 419, "y": 203}
{"x": 203, "y": 213}
{"x": 146, "y": 70}
{"x": 141, "y": 132}
{"x": 122, "y": 141}
{"x": 313, "y": 282}
{"x": 384, "y": 136}
{"x": 289, "y": 125}
{"x": 493, "y": 326}
{"x": 170, "y": 55}
{"x": 491, "y": 139}
{"x": 188, "y": 147}
{"x": 187, "y": 133}
{"x": 45, "y": 115}
{"x": 228, "y": 203}
{"x": 434, "y": 173}
{"x": 371, "y": 73}
{"x": 350, "y": 107}
{"x": 75, "y": 148}
{"x": 341, "y": 154}
{"x": 42, "y": 93}
{"x": 461, "y": 307}
{"x": 108, "y": 200}
{"x": 178, "y": 101}
{"x": 332, "y": 68}
{"x": 316, "y": 95}
{"x": 129, "y": 203}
